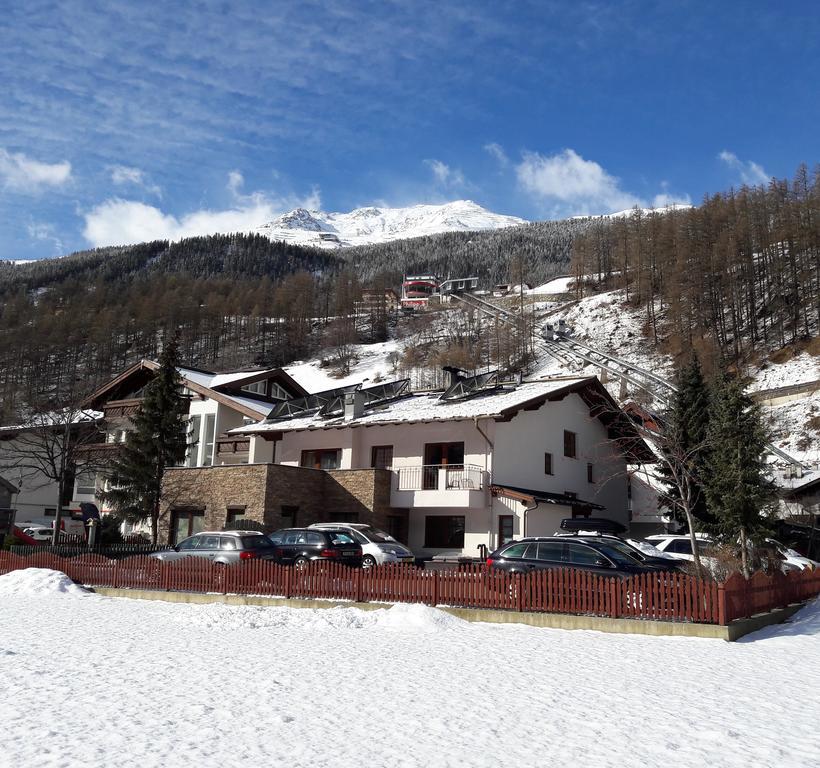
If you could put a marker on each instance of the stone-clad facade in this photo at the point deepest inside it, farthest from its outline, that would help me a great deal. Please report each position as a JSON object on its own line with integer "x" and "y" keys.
{"x": 278, "y": 496}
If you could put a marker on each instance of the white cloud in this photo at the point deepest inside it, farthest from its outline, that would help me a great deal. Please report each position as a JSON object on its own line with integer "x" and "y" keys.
{"x": 748, "y": 171}
{"x": 569, "y": 185}
{"x": 567, "y": 180}
{"x": 444, "y": 175}
{"x": 497, "y": 152}
{"x": 23, "y": 174}
{"x": 122, "y": 222}
{"x": 123, "y": 175}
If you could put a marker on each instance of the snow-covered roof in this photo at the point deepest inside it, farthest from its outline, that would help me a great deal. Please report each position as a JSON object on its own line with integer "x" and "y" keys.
{"x": 426, "y": 407}
{"x": 55, "y": 419}
{"x": 797, "y": 483}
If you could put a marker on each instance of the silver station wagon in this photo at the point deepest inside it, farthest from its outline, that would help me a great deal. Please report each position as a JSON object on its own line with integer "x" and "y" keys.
{"x": 224, "y": 547}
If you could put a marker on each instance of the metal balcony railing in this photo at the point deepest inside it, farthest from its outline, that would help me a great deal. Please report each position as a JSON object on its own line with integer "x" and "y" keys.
{"x": 435, "y": 477}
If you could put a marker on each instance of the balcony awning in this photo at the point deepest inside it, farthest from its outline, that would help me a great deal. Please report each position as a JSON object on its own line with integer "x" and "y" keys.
{"x": 530, "y": 496}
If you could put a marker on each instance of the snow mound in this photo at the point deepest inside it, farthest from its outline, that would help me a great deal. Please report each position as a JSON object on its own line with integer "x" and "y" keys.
{"x": 38, "y": 581}
{"x": 416, "y": 617}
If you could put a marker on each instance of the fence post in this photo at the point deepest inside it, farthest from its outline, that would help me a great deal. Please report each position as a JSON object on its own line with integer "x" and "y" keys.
{"x": 287, "y": 581}
{"x": 614, "y": 597}
{"x": 435, "y": 588}
{"x": 359, "y": 573}
{"x": 519, "y": 592}
{"x": 721, "y": 604}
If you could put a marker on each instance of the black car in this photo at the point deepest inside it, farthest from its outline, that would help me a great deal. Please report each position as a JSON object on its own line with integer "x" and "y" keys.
{"x": 662, "y": 563}
{"x": 532, "y": 554}
{"x": 298, "y": 546}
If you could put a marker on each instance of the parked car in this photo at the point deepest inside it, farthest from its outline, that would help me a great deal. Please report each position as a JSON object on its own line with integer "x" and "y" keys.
{"x": 679, "y": 545}
{"x": 298, "y": 546}
{"x": 791, "y": 557}
{"x": 602, "y": 530}
{"x": 378, "y": 547}
{"x": 223, "y": 547}
{"x": 39, "y": 532}
{"x": 656, "y": 560}
{"x": 559, "y": 552}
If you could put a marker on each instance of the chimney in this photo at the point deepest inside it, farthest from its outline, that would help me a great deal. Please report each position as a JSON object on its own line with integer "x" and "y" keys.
{"x": 354, "y": 405}
{"x": 562, "y": 326}
{"x": 549, "y": 334}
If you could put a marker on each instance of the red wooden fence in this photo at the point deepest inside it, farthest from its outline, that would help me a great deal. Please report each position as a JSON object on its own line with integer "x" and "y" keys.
{"x": 663, "y": 596}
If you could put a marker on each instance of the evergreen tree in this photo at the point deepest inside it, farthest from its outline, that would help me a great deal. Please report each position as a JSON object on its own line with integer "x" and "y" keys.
{"x": 157, "y": 440}
{"x": 687, "y": 426}
{"x": 737, "y": 488}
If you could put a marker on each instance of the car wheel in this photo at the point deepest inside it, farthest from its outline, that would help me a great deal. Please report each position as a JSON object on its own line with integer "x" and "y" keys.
{"x": 300, "y": 563}
{"x": 368, "y": 561}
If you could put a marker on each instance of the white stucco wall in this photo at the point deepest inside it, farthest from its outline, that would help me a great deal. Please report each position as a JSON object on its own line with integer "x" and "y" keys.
{"x": 521, "y": 443}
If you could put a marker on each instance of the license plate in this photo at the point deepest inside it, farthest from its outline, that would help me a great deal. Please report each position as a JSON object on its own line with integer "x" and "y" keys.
{"x": 348, "y": 553}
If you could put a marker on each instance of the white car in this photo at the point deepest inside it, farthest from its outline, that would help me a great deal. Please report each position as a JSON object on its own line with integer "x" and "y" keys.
{"x": 39, "y": 532}
{"x": 679, "y": 545}
{"x": 378, "y": 547}
{"x": 791, "y": 557}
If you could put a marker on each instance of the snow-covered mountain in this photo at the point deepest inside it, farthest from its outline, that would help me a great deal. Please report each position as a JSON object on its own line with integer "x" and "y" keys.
{"x": 364, "y": 226}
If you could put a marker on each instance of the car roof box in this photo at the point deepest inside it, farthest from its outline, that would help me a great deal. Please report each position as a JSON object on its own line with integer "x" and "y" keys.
{"x": 598, "y": 524}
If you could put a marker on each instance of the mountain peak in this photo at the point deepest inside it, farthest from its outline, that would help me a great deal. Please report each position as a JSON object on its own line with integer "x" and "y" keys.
{"x": 364, "y": 226}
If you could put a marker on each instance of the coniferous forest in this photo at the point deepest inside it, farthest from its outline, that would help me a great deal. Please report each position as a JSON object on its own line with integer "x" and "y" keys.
{"x": 740, "y": 273}
{"x": 737, "y": 275}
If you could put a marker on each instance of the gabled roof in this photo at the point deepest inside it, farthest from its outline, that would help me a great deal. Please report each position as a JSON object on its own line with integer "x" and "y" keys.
{"x": 7, "y": 485}
{"x": 224, "y": 388}
{"x": 500, "y": 404}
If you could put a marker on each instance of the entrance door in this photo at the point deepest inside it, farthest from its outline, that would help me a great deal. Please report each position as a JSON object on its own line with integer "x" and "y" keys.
{"x": 185, "y": 523}
{"x": 505, "y": 529}
{"x": 439, "y": 456}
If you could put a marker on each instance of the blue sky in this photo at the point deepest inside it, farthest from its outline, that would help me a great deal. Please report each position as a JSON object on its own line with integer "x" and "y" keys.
{"x": 121, "y": 122}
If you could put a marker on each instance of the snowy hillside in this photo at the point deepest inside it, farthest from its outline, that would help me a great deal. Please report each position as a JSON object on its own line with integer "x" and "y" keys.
{"x": 364, "y": 226}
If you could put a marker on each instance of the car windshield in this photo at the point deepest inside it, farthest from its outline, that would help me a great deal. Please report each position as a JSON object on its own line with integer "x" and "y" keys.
{"x": 615, "y": 553}
{"x": 256, "y": 542}
{"x": 648, "y": 548}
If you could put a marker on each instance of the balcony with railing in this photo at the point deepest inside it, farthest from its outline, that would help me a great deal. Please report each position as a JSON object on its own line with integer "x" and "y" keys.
{"x": 439, "y": 485}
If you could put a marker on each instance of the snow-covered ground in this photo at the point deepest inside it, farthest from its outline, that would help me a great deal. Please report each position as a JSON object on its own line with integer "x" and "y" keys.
{"x": 372, "y": 363}
{"x": 92, "y": 681}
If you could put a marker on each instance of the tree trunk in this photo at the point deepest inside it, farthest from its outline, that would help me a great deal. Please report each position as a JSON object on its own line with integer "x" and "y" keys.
{"x": 744, "y": 553}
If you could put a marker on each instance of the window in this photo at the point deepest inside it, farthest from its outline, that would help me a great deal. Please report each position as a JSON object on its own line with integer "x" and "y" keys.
{"x": 86, "y": 484}
{"x": 194, "y": 426}
{"x": 210, "y": 429}
{"x": 342, "y": 538}
{"x": 680, "y": 547}
{"x": 258, "y": 387}
{"x": 210, "y": 542}
{"x": 234, "y": 514}
{"x": 514, "y": 552}
{"x": 569, "y": 444}
{"x": 325, "y": 458}
{"x": 381, "y": 456}
{"x": 571, "y": 494}
{"x": 315, "y": 538}
{"x": 581, "y": 555}
{"x": 547, "y": 463}
{"x": 186, "y": 523}
{"x": 444, "y": 531}
{"x": 590, "y": 476}
{"x": 551, "y": 551}
{"x": 227, "y": 542}
{"x": 346, "y": 517}
{"x": 505, "y": 529}
{"x": 278, "y": 392}
{"x": 50, "y": 512}
{"x": 437, "y": 455}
